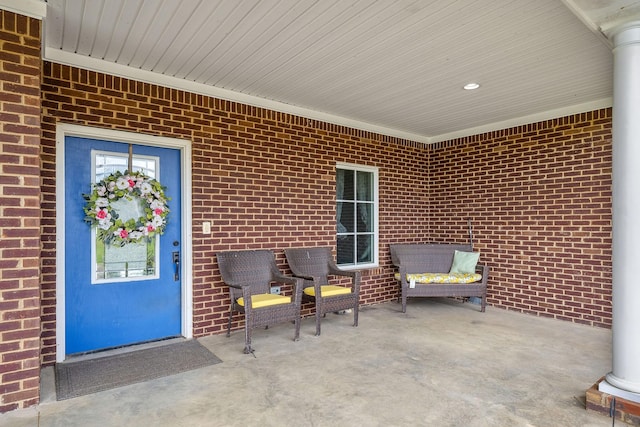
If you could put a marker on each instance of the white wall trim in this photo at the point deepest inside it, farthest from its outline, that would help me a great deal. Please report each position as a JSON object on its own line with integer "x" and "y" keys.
{"x": 62, "y": 131}
{"x": 99, "y": 65}
{"x": 525, "y": 120}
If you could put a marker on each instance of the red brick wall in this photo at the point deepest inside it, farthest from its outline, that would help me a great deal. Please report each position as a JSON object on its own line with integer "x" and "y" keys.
{"x": 19, "y": 211}
{"x": 266, "y": 180}
{"x": 263, "y": 179}
{"x": 539, "y": 200}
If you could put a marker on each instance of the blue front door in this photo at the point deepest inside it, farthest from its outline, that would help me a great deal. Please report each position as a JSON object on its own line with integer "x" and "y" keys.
{"x": 116, "y": 296}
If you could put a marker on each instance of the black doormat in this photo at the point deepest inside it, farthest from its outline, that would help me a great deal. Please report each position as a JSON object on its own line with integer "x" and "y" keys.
{"x": 75, "y": 379}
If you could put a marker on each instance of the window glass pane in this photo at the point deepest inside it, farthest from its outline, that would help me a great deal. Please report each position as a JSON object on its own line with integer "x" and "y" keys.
{"x": 345, "y": 249}
{"x": 145, "y": 165}
{"x": 346, "y": 221}
{"x": 365, "y": 218}
{"x": 106, "y": 164}
{"x": 365, "y": 186}
{"x": 133, "y": 260}
{"x": 348, "y": 192}
{"x": 365, "y": 245}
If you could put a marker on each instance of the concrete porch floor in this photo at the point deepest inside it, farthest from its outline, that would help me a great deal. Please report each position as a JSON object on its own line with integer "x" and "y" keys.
{"x": 442, "y": 363}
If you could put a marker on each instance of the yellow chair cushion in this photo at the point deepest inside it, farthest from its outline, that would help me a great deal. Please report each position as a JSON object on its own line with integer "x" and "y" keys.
{"x": 327, "y": 290}
{"x": 426, "y": 278}
{"x": 265, "y": 300}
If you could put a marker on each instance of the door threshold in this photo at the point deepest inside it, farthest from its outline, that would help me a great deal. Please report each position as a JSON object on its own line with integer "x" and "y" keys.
{"x": 111, "y": 351}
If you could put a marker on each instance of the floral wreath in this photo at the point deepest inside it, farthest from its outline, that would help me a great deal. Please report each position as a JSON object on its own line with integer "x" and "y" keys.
{"x": 101, "y": 213}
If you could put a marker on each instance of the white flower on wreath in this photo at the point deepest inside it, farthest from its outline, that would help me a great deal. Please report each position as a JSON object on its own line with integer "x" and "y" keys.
{"x": 156, "y": 204}
{"x": 157, "y": 221}
{"x": 122, "y": 183}
{"x": 102, "y": 202}
{"x": 135, "y": 235}
{"x": 104, "y": 219}
{"x": 145, "y": 188}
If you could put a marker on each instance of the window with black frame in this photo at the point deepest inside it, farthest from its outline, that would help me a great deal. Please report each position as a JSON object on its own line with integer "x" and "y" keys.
{"x": 356, "y": 215}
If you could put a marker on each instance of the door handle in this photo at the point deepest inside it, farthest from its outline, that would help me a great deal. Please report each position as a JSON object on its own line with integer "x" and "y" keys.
{"x": 176, "y": 262}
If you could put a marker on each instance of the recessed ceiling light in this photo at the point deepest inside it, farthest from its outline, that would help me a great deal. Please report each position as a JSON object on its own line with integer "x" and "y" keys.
{"x": 471, "y": 86}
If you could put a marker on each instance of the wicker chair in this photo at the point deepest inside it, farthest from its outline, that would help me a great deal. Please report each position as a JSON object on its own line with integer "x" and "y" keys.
{"x": 315, "y": 265}
{"x": 249, "y": 275}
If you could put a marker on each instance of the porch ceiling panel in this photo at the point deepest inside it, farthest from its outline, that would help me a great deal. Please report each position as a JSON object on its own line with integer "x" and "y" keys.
{"x": 396, "y": 65}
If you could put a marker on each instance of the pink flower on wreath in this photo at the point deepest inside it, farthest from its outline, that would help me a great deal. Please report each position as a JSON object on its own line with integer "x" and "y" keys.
{"x": 123, "y": 233}
{"x": 150, "y": 228}
{"x": 101, "y": 214}
{"x": 158, "y": 211}
{"x": 132, "y": 183}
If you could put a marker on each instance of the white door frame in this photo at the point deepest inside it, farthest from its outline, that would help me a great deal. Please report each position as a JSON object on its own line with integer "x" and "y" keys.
{"x": 62, "y": 131}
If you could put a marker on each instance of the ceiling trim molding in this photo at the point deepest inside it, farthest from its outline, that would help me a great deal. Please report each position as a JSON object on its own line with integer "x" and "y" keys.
{"x": 119, "y": 70}
{"x": 33, "y": 8}
{"x": 588, "y": 22}
{"x": 525, "y": 120}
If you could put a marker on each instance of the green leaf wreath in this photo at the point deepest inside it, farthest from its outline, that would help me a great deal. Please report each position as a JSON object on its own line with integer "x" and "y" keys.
{"x": 111, "y": 229}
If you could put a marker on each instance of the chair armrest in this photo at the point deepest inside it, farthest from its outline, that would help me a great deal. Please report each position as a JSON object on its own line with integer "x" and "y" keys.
{"x": 302, "y": 276}
{"x": 337, "y": 271}
{"x": 237, "y": 285}
{"x": 484, "y": 270}
{"x": 355, "y": 275}
{"x": 295, "y": 281}
{"x": 281, "y": 278}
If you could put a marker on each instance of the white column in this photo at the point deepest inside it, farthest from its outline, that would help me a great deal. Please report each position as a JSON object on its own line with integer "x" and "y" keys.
{"x": 625, "y": 376}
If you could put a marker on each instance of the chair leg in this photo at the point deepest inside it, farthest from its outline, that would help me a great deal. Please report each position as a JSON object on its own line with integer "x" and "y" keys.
{"x": 355, "y": 315}
{"x": 296, "y": 336}
{"x": 318, "y": 319}
{"x": 319, "y": 314}
{"x": 229, "y": 323}
{"x": 247, "y": 339}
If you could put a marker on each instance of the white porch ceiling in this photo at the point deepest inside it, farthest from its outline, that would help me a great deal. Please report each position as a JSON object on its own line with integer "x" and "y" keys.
{"x": 395, "y": 67}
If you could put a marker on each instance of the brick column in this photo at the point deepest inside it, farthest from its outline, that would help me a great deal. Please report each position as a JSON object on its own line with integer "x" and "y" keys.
{"x": 20, "y": 74}
{"x": 625, "y": 376}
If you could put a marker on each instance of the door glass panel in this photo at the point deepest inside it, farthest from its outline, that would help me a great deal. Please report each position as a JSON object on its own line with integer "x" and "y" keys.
{"x": 133, "y": 261}
{"x": 109, "y": 163}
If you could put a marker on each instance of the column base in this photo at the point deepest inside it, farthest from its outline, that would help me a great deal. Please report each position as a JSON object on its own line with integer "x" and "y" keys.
{"x": 627, "y": 389}
{"x": 602, "y": 402}
{"x": 611, "y": 385}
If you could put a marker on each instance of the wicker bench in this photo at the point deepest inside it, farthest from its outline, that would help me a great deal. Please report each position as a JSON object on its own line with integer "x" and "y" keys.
{"x": 424, "y": 271}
